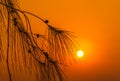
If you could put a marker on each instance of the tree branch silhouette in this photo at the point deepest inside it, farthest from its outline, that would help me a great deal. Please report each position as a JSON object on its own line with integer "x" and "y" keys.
{"x": 22, "y": 51}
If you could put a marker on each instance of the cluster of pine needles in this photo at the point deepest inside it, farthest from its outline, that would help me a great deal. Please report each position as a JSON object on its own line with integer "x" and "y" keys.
{"x": 22, "y": 51}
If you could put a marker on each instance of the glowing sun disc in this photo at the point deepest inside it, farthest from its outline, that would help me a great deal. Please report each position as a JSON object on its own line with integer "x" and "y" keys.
{"x": 80, "y": 53}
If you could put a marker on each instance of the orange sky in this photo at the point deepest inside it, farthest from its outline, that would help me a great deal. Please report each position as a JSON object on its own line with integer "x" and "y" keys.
{"x": 96, "y": 23}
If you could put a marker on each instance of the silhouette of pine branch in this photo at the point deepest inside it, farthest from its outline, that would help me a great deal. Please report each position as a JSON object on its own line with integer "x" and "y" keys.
{"x": 25, "y": 51}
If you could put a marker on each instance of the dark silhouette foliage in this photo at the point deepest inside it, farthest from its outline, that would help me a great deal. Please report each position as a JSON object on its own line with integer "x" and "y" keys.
{"x": 22, "y": 51}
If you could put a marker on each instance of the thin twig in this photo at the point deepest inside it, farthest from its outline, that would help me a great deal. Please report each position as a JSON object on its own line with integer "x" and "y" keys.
{"x": 8, "y": 45}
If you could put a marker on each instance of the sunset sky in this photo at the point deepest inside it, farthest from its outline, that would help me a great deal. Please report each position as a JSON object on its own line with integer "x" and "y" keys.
{"x": 96, "y": 23}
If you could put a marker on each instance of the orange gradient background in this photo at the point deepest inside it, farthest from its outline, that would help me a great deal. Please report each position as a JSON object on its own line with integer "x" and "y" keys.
{"x": 96, "y": 23}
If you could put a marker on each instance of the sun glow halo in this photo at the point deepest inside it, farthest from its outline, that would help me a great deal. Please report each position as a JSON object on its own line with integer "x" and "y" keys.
{"x": 80, "y": 53}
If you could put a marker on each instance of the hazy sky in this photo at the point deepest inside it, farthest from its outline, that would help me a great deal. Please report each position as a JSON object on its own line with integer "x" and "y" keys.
{"x": 96, "y": 23}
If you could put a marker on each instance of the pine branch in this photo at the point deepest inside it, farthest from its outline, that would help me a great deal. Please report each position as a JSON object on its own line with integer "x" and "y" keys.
{"x": 24, "y": 53}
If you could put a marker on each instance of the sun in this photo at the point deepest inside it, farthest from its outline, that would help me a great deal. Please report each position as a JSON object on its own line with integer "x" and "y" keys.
{"x": 80, "y": 53}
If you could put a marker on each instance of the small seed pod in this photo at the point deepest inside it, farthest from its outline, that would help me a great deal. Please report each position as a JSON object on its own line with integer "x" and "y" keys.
{"x": 37, "y": 35}
{"x": 45, "y": 53}
{"x": 15, "y": 23}
{"x": 14, "y": 19}
{"x": 11, "y": 4}
{"x": 46, "y": 21}
{"x": 12, "y": 10}
{"x": 29, "y": 51}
